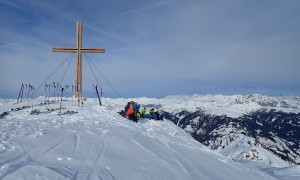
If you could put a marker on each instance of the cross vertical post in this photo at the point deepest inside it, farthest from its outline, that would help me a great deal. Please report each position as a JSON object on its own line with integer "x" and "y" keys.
{"x": 79, "y": 50}
{"x": 78, "y": 80}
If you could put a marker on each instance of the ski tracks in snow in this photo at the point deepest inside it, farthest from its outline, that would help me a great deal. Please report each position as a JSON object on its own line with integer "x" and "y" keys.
{"x": 31, "y": 155}
{"x": 102, "y": 153}
{"x": 92, "y": 165}
{"x": 88, "y": 163}
{"x": 77, "y": 139}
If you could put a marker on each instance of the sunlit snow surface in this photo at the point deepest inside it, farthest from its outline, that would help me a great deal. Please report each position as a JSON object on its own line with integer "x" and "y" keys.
{"x": 97, "y": 143}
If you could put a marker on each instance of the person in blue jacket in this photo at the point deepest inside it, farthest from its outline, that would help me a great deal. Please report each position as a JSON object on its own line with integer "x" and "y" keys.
{"x": 152, "y": 114}
{"x": 136, "y": 107}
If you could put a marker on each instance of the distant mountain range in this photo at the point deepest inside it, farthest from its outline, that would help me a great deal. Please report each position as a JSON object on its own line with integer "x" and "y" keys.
{"x": 274, "y": 131}
{"x": 255, "y": 127}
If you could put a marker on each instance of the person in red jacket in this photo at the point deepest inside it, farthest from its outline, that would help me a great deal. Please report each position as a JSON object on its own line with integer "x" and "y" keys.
{"x": 130, "y": 113}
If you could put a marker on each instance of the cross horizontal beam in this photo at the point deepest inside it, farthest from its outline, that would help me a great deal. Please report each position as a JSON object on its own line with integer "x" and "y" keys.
{"x": 83, "y": 50}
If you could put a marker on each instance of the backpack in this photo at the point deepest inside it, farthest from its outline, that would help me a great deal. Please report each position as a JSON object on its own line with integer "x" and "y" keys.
{"x": 138, "y": 115}
{"x": 127, "y": 107}
{"x": 130, "y": 111}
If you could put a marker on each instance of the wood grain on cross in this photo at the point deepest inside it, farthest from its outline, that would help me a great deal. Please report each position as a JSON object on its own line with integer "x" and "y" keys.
{"x": 78, "y": 50}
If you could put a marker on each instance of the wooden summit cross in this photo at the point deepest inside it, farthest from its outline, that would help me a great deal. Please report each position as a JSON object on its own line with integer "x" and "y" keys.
{"x": 78, "y": 50}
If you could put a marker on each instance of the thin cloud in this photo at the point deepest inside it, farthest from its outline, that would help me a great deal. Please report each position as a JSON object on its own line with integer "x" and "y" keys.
{"x": 13, "y": 4}
{"x": 107, "y": 33}
{"x": 17, "y": 42}
{"x": 154, "y": 5}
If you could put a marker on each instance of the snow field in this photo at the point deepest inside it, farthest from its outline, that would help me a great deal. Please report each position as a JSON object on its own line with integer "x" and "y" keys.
{"x": 97, "y": 143}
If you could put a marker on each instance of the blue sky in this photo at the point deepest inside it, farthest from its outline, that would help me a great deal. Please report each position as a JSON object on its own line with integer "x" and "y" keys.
{"x": 155, "y": 48}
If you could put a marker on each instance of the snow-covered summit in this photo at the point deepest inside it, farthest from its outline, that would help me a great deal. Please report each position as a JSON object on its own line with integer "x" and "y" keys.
{"x": 93, "y": 142}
